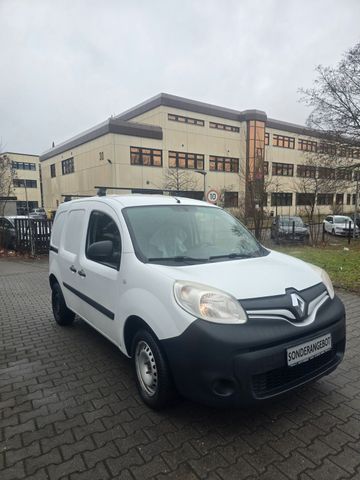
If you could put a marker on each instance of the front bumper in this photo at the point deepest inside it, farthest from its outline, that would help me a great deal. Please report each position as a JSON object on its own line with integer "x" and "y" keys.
{"x": 228, "y": 365}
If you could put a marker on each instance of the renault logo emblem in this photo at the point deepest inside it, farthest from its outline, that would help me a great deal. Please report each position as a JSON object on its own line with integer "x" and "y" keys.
{"x": 299, "y": 304}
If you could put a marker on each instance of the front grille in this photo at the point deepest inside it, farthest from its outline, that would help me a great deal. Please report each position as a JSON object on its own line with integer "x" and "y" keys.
{"x": 274, "y": 381}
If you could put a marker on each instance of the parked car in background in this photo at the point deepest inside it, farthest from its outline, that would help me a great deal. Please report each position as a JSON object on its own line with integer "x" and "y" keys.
{"x": 357, "y": 219}
{"x": 19, "y": 232}
{"x": 38, "y": 214}
{"x": 7, "y": 233}
{"x": 340, "y": 225}
{"x": 289, "y": 228}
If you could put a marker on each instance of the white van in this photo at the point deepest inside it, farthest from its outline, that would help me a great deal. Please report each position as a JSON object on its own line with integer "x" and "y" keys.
{"x": 201, "y": 307}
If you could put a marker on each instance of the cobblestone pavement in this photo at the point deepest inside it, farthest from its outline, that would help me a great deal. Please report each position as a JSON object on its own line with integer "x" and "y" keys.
{"x": 69, "y": 409}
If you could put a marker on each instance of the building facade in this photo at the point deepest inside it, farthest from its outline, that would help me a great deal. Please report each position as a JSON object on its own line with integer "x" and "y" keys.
{"x": 231, "y": 149}
{"x": 27, "y": 181}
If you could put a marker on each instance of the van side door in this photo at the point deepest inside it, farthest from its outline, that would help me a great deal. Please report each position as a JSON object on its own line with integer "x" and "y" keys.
{"x": 99, "y": 276}
{"x": 72, "y": 238}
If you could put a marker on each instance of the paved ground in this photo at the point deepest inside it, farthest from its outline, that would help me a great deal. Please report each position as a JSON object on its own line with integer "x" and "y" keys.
{"x": 69, "y": 409}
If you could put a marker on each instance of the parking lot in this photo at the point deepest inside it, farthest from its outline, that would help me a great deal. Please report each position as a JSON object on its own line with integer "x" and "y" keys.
{"x": 69, "y": 408}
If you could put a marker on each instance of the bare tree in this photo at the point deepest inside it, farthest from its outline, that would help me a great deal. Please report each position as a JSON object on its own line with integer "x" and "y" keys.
{"x": 7, "y": 175}
{"x": 322, "y": 174}
{"x": 178, "y": 180}
{"x": 258, "y": 185}
{"x": 335, "y": 99}
{"x": 335, "y": 117}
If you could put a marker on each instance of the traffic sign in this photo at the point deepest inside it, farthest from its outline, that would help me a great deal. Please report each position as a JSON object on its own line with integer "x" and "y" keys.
{"x": 212, "y": 196}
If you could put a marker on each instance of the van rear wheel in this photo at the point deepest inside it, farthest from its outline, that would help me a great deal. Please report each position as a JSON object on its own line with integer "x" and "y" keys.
{"x": 153, "y": 376}
{"x": 63, "y": 316}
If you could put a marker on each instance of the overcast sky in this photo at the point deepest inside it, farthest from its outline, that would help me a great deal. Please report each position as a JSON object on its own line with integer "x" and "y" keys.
{"x": 68, "y": 65}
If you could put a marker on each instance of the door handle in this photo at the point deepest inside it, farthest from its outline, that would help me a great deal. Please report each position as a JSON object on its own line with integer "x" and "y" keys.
{"x": 73, "y": 269}
{"x": 82, "y": 273}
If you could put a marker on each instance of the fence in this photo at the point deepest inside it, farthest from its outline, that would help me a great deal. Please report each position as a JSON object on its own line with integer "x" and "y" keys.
{"x": 273, "y": 233}
{"x": 32, "y": 235}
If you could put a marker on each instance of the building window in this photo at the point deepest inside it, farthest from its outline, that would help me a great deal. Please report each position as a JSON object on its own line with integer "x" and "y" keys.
{"x": 348, "y": 199}
{"x": 223, "y": 164}
{"x": 231, "y": 199}
{"x": 306, "y": 171}
{"x": 267, "y": 138}
{"x": 101, "y": 155}
{"x": 67, "y": 166}
{"x": 327, "y": 148}
{"x": 281, "y": 199}
{"x": 353, "y": 198}
{"x": 223, "y": 126}
{"x": 194, "y": 161}
{"x": 283, "y": 141}
{"x": 326, "y": 172}
{"x": 148, "y": 157}
{"x": 344, "y": 174}
{"x": 339, "y": 199}
{"x": 325, "y": 198}
{"x": 349, "y": 152}
{"x": 53, "y": 170}
{"x": 22, "y": 208}
{"x": 305, "y": 198}
{"x": 307, "y": 145}
{"x": 357, "y": 176}
{"x": 283, "y": 169}
{"x": 266, "y": 168}
{"x": 23, "y": 166}
{"x": 181, "y": 119}
{"x": 20, "y": 183}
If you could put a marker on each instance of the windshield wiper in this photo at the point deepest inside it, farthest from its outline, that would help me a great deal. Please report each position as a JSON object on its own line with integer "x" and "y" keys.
{"x": 178, "y": 258}
{"x": 233, "y": 255}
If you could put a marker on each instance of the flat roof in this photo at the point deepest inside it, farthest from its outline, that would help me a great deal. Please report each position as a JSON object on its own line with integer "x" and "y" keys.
{"x": 120, "y": 124}
{"x": 18, "y": 153}
{"x": 111, "y": 125}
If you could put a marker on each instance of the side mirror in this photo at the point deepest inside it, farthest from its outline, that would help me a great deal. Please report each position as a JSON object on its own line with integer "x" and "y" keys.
{"x": 306, "y": 225}
{"x": 100, "y": 250}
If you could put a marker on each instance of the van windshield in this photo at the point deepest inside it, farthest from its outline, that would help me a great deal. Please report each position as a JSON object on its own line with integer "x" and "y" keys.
{"x": 188, "y": 234}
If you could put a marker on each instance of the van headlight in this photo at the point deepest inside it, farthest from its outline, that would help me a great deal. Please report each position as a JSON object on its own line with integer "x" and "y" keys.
{"x": 325, "y": 279}
{"x": 208, "y": 303}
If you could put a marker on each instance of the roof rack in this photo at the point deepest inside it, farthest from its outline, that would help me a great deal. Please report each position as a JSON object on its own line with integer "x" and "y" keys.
{"x": 69, "y": 196}
{"x": 102, "y": 190}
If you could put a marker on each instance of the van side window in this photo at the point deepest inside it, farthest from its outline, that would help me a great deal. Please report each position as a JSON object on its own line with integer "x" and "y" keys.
{"x": 102, "y": 227}
{"x": 58, "y": 226}
{"x": 74, "y": 223}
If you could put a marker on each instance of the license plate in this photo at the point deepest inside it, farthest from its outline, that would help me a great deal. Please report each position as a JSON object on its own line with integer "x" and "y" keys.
{"x": 306, "y": 351}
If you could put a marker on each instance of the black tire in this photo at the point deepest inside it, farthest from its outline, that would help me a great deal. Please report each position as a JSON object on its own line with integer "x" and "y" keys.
{"x": 155, "y": 385}
{"x": 63, "y": 316}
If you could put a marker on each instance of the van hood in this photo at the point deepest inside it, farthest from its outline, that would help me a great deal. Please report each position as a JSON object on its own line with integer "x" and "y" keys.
{"x": 248, "y": 278}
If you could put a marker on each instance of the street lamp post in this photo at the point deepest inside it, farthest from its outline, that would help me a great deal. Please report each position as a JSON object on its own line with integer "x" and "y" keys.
{"x": 203, "y": 173}
{"x": 29, "y": 221}
{"x": 357, "y": 171}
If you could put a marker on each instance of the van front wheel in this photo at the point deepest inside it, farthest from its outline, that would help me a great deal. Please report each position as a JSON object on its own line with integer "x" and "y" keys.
{"x": 63, "y": 316}
{"x": 153, "y": 377}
